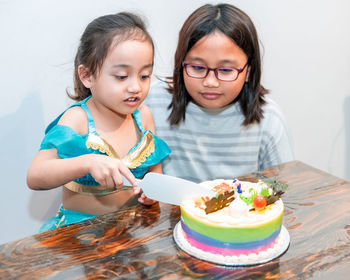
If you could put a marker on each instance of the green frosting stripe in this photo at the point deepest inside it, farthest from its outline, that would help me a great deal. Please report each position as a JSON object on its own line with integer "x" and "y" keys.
{"x": 232, "y": 234}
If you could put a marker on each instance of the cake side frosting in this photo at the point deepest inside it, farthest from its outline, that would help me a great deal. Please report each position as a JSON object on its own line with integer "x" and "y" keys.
{"x": 246, "y": 258}
{"x": 225, "y": 248}
{"x": 235, "y": 230}
{"x": 232, "y": 233}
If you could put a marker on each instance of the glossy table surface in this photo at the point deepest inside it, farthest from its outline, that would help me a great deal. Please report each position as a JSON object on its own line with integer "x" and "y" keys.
{"x": 137, "y": 242}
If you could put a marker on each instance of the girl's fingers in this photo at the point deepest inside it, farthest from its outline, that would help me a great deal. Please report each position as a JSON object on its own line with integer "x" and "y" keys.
{"x": 118, "y": 180}
{"x": 145, "y": 200}
{"x": 141, "y": 199}
{"x": 109, "y": 183}
{"x": 127, "y": 174}
{"x": 136, "y": 190}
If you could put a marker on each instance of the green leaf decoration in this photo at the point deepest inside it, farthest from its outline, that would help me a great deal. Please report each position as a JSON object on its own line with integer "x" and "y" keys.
{"x": 278, "y": 189}
{"x": 265, "y": 192}
{"x": 219, "y": 202}
{"x": 275, "y": 185}
{"x": 249, "y": 199}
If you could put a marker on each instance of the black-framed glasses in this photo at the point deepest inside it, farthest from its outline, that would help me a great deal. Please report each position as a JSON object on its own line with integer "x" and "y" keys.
{"x": 226, "y": 74}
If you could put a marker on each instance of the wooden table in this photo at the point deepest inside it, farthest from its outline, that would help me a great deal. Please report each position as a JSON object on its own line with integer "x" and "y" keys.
{"x": 137, "y": 241}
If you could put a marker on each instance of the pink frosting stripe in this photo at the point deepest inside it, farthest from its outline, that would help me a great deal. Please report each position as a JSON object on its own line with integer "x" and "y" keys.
{"x": 225, "y": 251}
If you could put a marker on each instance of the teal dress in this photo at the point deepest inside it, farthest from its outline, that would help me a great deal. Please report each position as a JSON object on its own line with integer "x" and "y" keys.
{"x": 150, "y": 150}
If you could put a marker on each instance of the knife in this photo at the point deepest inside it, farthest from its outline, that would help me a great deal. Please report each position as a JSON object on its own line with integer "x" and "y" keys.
{"x": 168, "y": 189}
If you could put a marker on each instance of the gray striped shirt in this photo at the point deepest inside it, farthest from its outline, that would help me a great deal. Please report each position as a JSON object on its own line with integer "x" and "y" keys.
{"x": 212, "y": 143}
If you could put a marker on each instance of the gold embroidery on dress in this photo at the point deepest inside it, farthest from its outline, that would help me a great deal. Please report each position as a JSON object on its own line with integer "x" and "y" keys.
{"x": 132, "y": 160}
{"x": 91, "y": 190}
{"x": 97, "y": 143}
{"x": 61, "y": 222}
{"x": 142, "y": 151}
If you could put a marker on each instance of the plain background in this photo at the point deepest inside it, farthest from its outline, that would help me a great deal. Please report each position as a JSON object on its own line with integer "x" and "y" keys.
{"x": 306, "y": 65}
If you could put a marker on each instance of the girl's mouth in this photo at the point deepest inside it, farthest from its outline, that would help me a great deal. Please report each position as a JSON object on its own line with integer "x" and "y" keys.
{"x": 210, "y": 95}
{"x": 132, "y": 101}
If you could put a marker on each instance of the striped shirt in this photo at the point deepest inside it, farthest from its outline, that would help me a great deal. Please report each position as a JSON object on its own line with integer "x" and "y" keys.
{"x": 212, "y": 143}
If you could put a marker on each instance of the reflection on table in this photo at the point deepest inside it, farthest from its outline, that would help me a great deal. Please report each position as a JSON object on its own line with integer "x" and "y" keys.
{"x": 137, "y": 242}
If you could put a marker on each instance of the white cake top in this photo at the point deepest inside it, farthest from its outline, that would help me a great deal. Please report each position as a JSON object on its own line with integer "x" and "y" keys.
{"x": 238, "y": 212}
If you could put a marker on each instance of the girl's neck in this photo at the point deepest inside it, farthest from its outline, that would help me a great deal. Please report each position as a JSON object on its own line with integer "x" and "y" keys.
{"x": 213, "y": 111}
{"x": 119, "y": 130}
{"x": 106, "y": 116}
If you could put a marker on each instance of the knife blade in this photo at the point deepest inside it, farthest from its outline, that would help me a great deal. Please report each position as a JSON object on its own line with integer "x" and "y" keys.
{"x": 169, "y": 189}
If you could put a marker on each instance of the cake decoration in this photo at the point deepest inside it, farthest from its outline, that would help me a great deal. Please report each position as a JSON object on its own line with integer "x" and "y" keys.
{"x": 238, "y": 185}
{"x": 259, "y": 202}
{"x": 278, "y": 187}
{"x": 239, "y": 224}
{"x": 220, "y": 201}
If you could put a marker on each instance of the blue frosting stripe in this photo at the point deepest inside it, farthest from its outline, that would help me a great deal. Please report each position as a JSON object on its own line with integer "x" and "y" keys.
{"x": 216, "y": 243}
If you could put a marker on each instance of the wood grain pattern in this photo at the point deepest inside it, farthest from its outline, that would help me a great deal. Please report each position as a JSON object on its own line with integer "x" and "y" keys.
{"x": 137, "y": 242}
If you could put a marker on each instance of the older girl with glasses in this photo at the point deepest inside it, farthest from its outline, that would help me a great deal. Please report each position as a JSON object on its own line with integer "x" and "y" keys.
{"x": 213, "y": 112}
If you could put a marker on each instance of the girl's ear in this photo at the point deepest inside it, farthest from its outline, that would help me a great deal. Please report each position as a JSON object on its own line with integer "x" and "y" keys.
{"x": 247, "y": 76}
{"x": 85, "y": 77}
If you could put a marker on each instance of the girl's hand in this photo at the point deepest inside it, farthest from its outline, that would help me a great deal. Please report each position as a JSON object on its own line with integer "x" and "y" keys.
{"x": 107, "y": 171}
{"x": 145, "y": 200}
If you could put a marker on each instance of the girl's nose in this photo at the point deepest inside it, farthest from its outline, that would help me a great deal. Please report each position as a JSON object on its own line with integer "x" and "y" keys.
{"x": 134, "y": 85}
{"x": 210, "y": 80}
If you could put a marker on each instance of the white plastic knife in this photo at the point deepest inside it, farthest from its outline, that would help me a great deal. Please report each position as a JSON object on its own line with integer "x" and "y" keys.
{"x": 169, "y": 189}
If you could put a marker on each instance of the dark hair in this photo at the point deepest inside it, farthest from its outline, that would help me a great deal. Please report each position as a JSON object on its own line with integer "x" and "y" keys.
{"x": 235, "y": 24}
{"x": 97, "y": 39}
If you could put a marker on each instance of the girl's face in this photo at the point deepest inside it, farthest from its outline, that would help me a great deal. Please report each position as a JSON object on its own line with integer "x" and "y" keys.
{"x": 124, "y": 78}
{"x": 213, "y": 51}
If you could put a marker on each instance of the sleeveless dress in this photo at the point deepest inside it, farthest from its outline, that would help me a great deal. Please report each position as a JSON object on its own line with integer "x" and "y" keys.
{"x": 149, "y": 151}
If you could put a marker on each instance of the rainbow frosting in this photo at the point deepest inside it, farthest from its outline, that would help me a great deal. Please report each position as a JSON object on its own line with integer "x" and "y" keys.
{"x": 236, "y": 230}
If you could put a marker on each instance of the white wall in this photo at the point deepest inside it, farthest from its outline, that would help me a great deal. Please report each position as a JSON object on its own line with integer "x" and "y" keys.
{"x": 306, "y": 64}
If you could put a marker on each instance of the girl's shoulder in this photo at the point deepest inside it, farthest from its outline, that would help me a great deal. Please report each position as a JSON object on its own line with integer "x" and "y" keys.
{"x": 147, "y": 117}
{"x": 271, "y": 107}
{"x": 75, "y": 118}
{"x": 144, "y": 110}
{"x": 273, "y": 115}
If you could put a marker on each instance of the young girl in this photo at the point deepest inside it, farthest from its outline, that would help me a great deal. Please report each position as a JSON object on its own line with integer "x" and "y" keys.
{"x": 98, "y": 139}
{"x": 217, "y": 120}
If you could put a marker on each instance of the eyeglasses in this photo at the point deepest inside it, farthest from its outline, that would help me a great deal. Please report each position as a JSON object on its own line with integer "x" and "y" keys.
{"x": 226, "y": 74}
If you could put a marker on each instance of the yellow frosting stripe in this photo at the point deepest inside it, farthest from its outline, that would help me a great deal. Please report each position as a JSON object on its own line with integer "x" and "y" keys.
{"x": 232, "y": 234}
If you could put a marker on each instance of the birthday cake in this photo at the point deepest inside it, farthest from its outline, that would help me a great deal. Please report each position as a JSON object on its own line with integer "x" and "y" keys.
{"x": 240, "y": 223}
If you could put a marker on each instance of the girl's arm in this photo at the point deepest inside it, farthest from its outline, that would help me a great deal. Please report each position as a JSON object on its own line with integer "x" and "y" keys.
{"x": 48, "y": 171}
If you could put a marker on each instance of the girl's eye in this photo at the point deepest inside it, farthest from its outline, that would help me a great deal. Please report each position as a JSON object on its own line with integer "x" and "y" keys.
{"x": 145, "y": 77}
{"x": 198, "y": 67}
{"x": 120, "y": 77}
{"x": 225, "y": 70}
